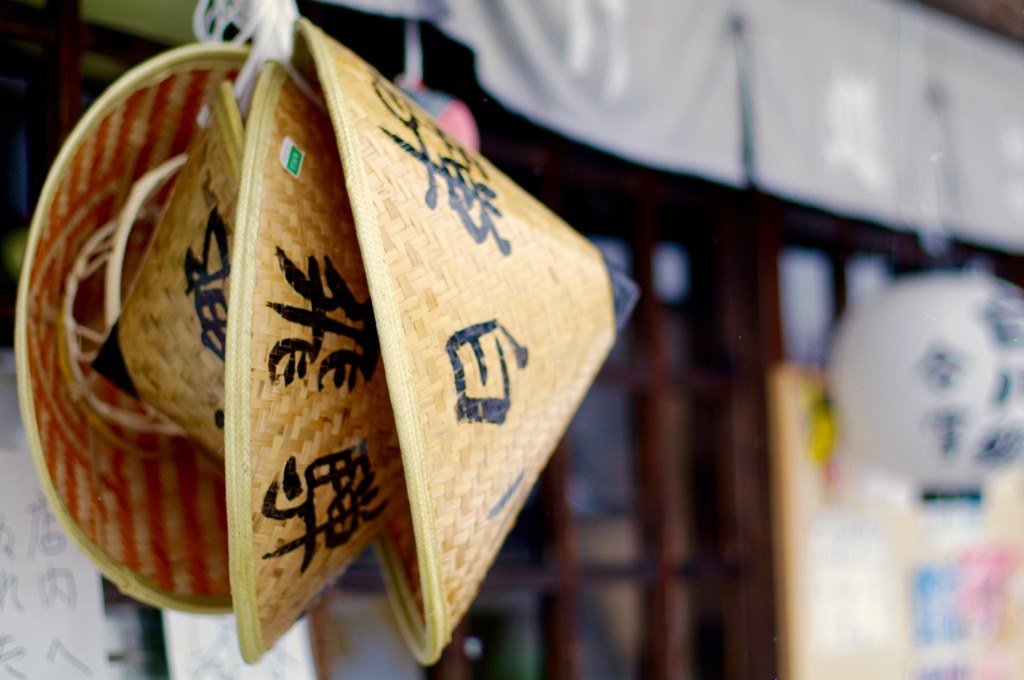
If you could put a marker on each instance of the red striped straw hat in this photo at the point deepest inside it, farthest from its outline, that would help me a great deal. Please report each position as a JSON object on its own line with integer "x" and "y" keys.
{"x": 140, "y": 498}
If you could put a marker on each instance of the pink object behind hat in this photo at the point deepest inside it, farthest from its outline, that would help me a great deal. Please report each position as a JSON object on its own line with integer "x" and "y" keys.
{"x": 452, "y": 114}
{"x": 458, "y": 120}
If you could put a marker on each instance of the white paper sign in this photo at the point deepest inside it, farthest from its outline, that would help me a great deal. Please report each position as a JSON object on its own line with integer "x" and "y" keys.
{"x": 51, "y": 604}
{"x": 850, "y": 576}
{"x": 206, "y": 648}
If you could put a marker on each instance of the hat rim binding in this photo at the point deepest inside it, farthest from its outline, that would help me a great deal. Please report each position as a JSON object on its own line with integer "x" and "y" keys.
{"x": 237, "y": 364}
{"x": 128, "y": 581}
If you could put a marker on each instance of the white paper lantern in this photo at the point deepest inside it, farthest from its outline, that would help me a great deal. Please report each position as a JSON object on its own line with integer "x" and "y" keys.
{"x": 929, "y": 378}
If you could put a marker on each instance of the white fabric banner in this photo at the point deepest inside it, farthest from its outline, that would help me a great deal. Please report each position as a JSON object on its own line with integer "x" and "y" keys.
{"x": 977, "y": 85}
{"x": 654, "y": 81}
{"x": 874, "y": 109}
{"x": 826, "y": 96}
{"x": 890, "y": 112}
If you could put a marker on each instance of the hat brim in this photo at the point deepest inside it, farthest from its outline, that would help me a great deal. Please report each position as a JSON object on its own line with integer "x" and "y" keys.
{"x": 147, "y": 509}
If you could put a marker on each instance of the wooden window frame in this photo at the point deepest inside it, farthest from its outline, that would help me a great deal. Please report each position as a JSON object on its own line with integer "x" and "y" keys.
{"x": 739, "y": 312}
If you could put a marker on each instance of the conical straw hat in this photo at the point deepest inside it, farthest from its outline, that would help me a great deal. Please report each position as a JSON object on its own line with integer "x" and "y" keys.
{"x": 494, "y": 318}
{"x": 311, "y": 452}
{"x": 168, "y": 344}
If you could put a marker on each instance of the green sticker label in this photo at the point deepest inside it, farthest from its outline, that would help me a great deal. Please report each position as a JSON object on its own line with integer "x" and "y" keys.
{"x": 291, "y": 157}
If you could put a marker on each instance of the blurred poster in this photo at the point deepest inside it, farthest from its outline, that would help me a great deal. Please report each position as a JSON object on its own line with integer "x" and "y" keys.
{"x": 937, "y": 619}
{"x": 953, "y": 669}
{"x": 965, "y": 664}
{"x": 51, "y": 602}
{"x": 206, "y": 648}
{"x": 850, "y": 576}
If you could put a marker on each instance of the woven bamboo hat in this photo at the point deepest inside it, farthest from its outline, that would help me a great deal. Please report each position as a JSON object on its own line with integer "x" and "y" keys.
{"x": 489, "y": 320}
{"x": 494, "y": 318}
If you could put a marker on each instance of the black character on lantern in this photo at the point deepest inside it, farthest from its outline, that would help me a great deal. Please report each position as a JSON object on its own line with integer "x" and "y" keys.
{"x": 947, "y": 425}
{"x": 1002, "y": 445}
{"x": 942, "y": 368}
{"x": 1005, "y": 317}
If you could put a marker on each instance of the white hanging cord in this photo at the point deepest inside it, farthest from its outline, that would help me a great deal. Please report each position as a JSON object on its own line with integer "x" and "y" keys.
{"x": 271, "y": 26}
{"x": 94, "y": 255}
{"x": 581, "y": 42}
{"x": 143, "y": 188}
{"x": 935, "y": 237}
{"x": 617, "y": 75}
{"x": 412, "y": 76}
{"x": 212, "y": 20}
{"x": 579, "y": 38}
